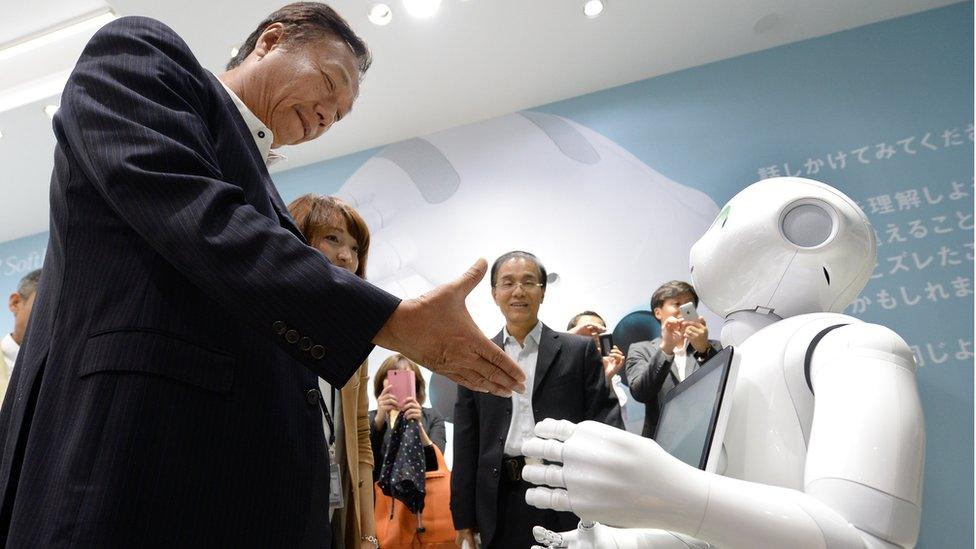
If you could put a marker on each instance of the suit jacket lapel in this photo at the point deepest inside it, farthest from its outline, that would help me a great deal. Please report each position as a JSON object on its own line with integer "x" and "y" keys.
{"x": 549, "y": 345}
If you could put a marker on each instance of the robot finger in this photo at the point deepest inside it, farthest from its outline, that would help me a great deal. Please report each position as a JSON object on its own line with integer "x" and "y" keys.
{"x": 549, "y": 475}
{"x": 548, "y": 538}
{"x": 559, "y": 429}
{"x": 539, "y": 448}
{"x": 547, "y": 498}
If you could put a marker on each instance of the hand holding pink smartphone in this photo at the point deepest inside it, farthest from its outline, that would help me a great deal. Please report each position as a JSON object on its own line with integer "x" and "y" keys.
{"x": 403, "y": 385}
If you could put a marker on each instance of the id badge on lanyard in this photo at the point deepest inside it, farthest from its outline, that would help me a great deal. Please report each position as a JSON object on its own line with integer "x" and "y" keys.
{"x": 335, "y": 476}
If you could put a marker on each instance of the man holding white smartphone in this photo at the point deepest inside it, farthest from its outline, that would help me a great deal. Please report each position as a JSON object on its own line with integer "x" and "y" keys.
{"x": 654, "y": 367}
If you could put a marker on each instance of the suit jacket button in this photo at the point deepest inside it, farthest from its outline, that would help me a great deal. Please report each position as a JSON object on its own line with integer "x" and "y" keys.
{"x": 305, "y": 343}
{"x": 279, "y": 327}
{"x": 291, "y": 336}
{"x": 494, "y": 472}
{"x": 501, "y": 439}
{"x": 318, "y": 352}
{"x": 312, "y": 396}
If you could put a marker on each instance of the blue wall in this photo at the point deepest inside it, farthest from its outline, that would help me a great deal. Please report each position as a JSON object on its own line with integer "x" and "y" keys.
{"x": 883, "y": 112}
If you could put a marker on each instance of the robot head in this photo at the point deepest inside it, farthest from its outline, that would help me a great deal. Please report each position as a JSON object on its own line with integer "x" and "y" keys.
{"x": 785, "y": 245}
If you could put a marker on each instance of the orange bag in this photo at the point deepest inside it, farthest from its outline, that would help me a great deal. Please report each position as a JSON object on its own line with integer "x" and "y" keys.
{"x": 400, "y": 531}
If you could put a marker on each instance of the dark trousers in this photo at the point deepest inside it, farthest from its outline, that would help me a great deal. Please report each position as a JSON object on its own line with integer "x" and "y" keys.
{"x": 516, "y": 518}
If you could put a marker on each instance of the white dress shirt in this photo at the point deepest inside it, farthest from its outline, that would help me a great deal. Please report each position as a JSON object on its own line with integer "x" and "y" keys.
{"x": 262, "y": 135}
{"x": 617, "y": 384}
{"x": 682, "y": 362}
{"x": 523, "y": 419}
{"x": 10, "y": 349}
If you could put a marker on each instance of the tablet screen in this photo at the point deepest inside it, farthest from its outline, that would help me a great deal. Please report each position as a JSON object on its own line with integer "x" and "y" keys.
{"x": 689, "y": 412}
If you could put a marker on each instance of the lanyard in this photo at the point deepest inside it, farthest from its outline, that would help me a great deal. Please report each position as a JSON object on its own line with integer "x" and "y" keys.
{"x": 328, "y": 416}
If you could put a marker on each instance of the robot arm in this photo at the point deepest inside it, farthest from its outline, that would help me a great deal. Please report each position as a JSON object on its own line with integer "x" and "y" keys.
{"x": 862, "y": 476}
{"x": 866, "y": 452}
{"x": 615, "y": 477}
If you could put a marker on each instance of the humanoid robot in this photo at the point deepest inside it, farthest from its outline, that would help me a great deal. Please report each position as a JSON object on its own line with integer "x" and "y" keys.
{"x": 825, "y": 441}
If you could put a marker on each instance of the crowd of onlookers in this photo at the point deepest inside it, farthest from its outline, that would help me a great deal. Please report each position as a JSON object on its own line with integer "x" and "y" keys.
{"x": 391, "y": 484}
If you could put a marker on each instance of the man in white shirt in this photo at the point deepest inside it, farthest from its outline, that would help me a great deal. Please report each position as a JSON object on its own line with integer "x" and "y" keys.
{"x": 654, "y": 367}
{"x": 564, "y": 380}
{"x": 20, "y": 304}
{"x": 591, "y": 324}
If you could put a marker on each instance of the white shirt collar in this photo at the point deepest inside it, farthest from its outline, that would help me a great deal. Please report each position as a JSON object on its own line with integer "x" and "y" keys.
{"x": 10, "y": 349}
{"x": 262, "y": 135}
{"x": 535, "y": 334}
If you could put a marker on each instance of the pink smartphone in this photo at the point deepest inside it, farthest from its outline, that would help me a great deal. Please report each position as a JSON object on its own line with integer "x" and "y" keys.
{"x": 403, "y": 384}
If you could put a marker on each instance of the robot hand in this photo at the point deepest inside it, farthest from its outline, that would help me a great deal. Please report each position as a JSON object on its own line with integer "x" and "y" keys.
{"x": 598, "y": 536}
{"x": 599, "y": 467}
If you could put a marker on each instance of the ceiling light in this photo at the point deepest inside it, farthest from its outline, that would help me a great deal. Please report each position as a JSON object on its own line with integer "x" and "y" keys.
{"x": 422, "y": 8}
{"x": 49, "y": 110}
{"x": 234, "y": 51}
{"x": 90, "y": 23}
{"x": 593, "y": 8}
{"x": 380, "y": 14}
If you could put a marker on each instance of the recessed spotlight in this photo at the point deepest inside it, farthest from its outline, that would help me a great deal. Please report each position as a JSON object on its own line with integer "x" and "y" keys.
{"x": 593, "y": 8}
{"x": 380, "y": 14}
{"x": 422, "y": 8}
{"x": 49, "y": 110}
{"x": 234, "y": 51}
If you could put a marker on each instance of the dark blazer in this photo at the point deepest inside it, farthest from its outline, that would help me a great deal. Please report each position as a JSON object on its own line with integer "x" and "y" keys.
{"x": 380, "y": 438}
{"x": 166, "y": 393}
{"x": 569, "y": 384}
{"x": 651, "y": 376}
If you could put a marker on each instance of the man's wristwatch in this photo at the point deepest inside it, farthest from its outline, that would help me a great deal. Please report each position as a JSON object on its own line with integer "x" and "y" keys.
{"x": 371, "y": 539}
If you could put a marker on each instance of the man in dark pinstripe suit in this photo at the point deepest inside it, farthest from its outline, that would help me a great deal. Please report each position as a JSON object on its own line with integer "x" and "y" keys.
{"x": 166, "y": 391}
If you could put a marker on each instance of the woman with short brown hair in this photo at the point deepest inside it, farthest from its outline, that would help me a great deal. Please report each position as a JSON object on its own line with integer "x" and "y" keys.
{"x": 338, "y": 231}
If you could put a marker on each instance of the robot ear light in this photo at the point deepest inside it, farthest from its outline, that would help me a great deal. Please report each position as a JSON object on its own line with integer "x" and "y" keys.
{"x": 809, "y": 223}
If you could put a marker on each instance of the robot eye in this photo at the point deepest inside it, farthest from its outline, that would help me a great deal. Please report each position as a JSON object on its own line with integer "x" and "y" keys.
{"x": 807, "y": 225}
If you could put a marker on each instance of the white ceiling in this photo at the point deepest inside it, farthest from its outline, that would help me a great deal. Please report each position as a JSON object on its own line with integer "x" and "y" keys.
{"x": 474, "y": 60}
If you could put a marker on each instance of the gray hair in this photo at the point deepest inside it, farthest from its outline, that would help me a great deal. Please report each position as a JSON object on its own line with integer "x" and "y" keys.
{"x": 28, "y": 284}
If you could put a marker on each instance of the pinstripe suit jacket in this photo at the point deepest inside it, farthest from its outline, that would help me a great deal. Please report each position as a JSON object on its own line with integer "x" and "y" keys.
{"x": 164, "y": 393}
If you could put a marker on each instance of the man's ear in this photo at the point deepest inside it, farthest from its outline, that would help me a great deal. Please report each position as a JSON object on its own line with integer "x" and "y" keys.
{"x": 14, "y": 303}
{"x": 270, "y": 39}
{"x": 658, "y": 314}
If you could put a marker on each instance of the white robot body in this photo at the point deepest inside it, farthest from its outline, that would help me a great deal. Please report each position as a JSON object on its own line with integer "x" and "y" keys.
{"x": 768, "y": 436}
{"x": 825, "y": 440}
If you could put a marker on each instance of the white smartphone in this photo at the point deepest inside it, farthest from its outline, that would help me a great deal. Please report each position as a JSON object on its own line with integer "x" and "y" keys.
{"x": 688, "y": 312}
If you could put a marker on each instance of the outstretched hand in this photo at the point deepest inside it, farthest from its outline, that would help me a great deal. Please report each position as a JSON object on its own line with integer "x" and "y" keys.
{"x": 437, "y": 331}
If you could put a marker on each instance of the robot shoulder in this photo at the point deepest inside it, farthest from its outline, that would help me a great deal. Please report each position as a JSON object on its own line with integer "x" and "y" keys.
{"x": 861, "y": 343}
